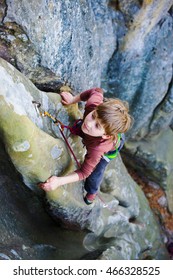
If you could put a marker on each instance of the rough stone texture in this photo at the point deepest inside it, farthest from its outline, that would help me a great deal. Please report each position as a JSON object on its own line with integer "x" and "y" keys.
{"x": 163, "y": 114}
{"x": 35, "y": 154}
{"x": 75, "y": 40}
{"x": 26, "y": 230}
{"x": 3, "y": 8}
{"x": 16, "y": 48}
{"x": 155, "y": 157}
{"x": 127, "y": 224}
{"x": 114, "y": 213}
{"x": 125, "y": 46}
{"x": 140, "y": 71}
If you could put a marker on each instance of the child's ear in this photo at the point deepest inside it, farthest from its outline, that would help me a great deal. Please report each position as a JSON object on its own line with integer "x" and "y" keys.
{"x": 105, "y": 136}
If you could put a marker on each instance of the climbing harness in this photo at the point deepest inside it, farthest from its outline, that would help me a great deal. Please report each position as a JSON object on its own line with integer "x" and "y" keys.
{"x": 60, "y": 125}
{"x": 119, "y": 144}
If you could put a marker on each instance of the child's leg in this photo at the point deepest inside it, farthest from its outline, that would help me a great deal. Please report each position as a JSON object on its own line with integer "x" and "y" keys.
{"x": 93, "y": 182}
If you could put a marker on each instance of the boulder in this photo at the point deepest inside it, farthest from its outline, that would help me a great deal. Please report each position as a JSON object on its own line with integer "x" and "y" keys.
{"x": 119, "y": 216}
{"x": 155, "y": 157}
{"x": 35, "y": 154}
{"x": 74, "y": 39}
{"x": 124, "y": 46}
{"x": 27, "y": 232}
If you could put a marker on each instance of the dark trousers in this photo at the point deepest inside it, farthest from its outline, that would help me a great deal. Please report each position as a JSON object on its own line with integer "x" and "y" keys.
{"x": 93, "y": 182}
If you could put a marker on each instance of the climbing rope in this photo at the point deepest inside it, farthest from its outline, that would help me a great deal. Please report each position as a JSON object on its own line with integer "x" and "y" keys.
{"x": 60, "y": 125}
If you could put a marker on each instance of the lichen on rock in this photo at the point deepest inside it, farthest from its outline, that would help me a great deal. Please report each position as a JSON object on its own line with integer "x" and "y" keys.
{"x": 37, "y": 155}
{"x": 126, "y": 48}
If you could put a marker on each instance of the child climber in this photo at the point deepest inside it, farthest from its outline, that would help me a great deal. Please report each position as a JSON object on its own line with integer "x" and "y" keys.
{"x": 102, "y": 130}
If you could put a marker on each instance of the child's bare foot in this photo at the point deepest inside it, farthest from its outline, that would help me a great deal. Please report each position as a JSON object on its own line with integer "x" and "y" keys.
{"x": 50, "y": 185}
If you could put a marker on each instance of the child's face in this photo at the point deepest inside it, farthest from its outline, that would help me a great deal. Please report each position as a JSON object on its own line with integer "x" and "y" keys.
{"x": 92, "y": 127}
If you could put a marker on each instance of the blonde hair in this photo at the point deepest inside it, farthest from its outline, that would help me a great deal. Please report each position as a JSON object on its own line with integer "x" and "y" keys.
{"x": 114, "y": 117}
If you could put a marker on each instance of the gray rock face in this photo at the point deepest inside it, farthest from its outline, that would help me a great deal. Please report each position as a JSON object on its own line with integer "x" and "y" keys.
{"x": 80, "y": 40}
{"x": 26, "y": 230}
{"x": 155, "y": 156}
{"x": 20, "y": 123}
{"x": 115, "y": 214}
{"x": 16, "y": 48}
{"x": 140, "y": 71}
{"x": 124, "y": 46}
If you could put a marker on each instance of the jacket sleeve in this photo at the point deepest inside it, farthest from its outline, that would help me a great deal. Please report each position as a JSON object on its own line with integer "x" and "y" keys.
{"x": 93, "y": 96}
{"x": 92, "y": 158}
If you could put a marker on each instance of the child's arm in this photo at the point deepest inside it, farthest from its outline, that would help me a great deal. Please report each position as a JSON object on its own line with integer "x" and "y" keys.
{"x": 68, "y": 98}
{"x": 92, "y": 96}
{"x": 54, "y": 182}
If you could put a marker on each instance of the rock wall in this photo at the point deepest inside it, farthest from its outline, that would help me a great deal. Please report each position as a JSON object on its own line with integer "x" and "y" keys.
{"x": 122, "y": 213}
{"x": 78, "y": 32}
{"x": 26, "y": 230}
{"x": 123, "y": 46}
{"x": 140, "y": 71}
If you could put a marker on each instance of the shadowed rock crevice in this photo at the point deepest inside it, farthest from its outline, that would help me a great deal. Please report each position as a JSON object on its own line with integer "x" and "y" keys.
{"x": 163, "y": 113}
{"x": 3, "y": 10}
